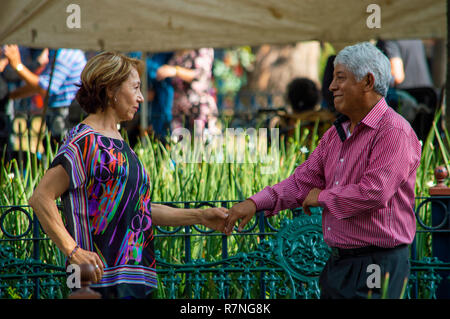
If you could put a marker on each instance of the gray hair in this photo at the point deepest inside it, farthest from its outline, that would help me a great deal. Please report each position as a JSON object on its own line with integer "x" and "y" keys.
{"x": 364, "y": 58}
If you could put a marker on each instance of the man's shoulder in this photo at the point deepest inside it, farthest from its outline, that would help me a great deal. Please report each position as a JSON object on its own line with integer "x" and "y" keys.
{"x": 331, "y": 135}
{"x": 70, "y": 57}
{"x": 393, "y": 120}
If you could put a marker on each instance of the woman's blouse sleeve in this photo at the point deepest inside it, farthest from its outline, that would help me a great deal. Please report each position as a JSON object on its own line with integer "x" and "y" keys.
{"x": 72, "y": 156}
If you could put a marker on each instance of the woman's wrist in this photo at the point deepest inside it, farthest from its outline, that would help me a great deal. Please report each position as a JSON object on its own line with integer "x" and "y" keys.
{"x": 200, "y": 213}
{"x": 73, "y": 252}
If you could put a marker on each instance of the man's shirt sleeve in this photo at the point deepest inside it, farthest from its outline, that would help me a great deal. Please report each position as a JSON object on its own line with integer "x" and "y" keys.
{"x": 291, "y": 192}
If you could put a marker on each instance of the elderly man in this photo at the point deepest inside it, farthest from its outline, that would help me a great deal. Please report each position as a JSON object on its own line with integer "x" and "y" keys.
{"x": 362, "y": 174}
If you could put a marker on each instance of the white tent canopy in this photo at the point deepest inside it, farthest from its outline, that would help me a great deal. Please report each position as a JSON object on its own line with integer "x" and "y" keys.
{"x": 166, "y": 25}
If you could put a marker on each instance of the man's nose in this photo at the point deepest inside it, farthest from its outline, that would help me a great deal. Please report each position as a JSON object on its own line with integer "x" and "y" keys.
{"x": 332, "y": 86}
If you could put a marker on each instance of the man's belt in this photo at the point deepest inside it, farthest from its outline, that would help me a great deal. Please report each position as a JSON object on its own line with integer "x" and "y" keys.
{"x": 341, "y": 252}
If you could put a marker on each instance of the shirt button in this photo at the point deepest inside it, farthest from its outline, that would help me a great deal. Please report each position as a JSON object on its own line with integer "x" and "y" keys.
{"x": 337, "y": 183}
{"x": 329, "y": 228}
{"x": 342, "y": 160}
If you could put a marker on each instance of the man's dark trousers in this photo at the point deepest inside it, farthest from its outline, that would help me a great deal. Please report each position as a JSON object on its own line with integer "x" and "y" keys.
{"x": 351, "y": 273}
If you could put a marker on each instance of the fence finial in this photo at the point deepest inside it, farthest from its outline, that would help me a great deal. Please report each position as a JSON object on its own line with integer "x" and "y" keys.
{"x": 440, "y": 174}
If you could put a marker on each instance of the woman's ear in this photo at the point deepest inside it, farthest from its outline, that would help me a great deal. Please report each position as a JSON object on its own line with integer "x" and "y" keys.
{"x": 110, "y": 95}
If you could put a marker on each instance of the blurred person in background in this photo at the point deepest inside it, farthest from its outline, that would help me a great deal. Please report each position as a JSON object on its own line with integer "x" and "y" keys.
{"x": 67, "y": 69}
{"x": 191, "y": 73}
{"x": 412, "y": 92}
{"x": 34, "y": 60}
{"x": 161, "y": 93}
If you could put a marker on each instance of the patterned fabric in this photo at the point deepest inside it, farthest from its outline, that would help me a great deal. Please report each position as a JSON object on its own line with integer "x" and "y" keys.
{"x": 68, "y": 67}
{"x": 194, "y": 101}
{"x": 367, "y": 181}
{"x": 107, "y": 207}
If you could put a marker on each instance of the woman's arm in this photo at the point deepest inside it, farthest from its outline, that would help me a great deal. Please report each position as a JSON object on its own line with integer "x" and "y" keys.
{"x": 53, "y": 184}
{"x": 170, "y": 71}
{"x": 169, "y": 216}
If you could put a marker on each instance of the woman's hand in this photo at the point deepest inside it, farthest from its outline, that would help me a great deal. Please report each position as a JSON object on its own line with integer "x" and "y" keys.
{"x": 82, "y": 256}
{"x": 214, "y": 218}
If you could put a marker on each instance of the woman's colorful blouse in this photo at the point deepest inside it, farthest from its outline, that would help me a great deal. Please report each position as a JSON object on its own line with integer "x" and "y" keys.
{"x": 107, "y": 209}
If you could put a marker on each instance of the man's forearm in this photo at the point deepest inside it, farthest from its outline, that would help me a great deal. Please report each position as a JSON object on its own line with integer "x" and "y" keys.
{"x": 29, "y": 77}
{"x": 25, "y": 91}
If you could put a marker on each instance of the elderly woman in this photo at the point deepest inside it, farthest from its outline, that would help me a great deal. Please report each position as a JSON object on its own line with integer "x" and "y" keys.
{"x": 105, "y": 189}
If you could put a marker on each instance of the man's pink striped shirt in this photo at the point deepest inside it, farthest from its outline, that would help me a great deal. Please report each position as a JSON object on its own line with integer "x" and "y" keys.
{"x": 367, "y": 181}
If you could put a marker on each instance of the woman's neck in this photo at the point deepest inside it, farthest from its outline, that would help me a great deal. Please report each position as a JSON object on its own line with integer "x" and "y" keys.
{"x": 104, "y": 123}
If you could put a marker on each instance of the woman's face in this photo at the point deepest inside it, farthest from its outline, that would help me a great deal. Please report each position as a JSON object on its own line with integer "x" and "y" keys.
{"x": 128, "y": 97}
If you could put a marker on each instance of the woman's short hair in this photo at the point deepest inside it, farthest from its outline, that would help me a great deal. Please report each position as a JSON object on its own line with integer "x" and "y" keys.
{"x": 105, "y": 71}
{"x": 364, "y": 58}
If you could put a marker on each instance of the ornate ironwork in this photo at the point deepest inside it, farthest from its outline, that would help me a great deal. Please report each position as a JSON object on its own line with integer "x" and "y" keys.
{"x": 29, "y": 278}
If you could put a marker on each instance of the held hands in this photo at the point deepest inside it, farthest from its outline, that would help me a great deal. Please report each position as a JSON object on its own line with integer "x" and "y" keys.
{"x": 247, "y": 209}
{"x": 214, "y": 218}
{"x": 223, "y": 220}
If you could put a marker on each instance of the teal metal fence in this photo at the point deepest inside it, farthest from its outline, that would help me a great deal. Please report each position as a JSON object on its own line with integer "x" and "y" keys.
{"x": 263, "y": 261}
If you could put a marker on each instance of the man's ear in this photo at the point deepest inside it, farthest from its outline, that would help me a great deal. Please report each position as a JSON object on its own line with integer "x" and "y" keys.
{"x": 369, "y": 82}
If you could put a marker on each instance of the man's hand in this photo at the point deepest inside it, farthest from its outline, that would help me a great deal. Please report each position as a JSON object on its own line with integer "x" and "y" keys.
{"x": 244, "y": 210}
{"x": 311, "y": 200}
{"x": 214, "y": 218}
{"x": 13, "y": 54}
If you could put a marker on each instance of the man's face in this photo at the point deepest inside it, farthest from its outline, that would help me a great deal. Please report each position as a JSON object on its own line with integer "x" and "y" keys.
{"x": 347, "y": 92}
